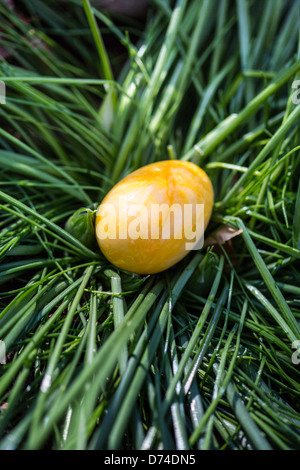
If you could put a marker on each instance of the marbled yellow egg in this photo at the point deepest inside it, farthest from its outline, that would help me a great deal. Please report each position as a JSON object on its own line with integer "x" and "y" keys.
{"x": 153, "y": 217}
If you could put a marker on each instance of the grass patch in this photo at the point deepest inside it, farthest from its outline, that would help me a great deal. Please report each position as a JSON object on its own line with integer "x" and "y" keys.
{"x": 204, "y": 355}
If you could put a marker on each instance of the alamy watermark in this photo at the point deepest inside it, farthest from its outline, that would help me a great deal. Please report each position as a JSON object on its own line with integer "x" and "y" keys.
{"x": 2, "y": 352}
{"x": 296, "y": 93}
{"x": 296, "y": 353}
{"x": 152, "y": 221}
{"x": 2, "y": 92}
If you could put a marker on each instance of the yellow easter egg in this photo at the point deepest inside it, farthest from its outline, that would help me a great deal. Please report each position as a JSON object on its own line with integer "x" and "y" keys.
{"x": 155, "y": 216}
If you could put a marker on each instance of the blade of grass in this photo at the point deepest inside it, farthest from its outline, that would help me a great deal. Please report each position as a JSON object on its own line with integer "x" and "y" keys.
{"x": 213, "y": 139}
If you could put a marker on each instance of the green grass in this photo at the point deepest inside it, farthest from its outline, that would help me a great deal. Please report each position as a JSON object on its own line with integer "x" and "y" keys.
{"x": 199, "y": 356}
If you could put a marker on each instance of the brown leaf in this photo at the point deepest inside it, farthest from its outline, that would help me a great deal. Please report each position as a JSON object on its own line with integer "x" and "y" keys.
{"x": 222, "y": 235}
